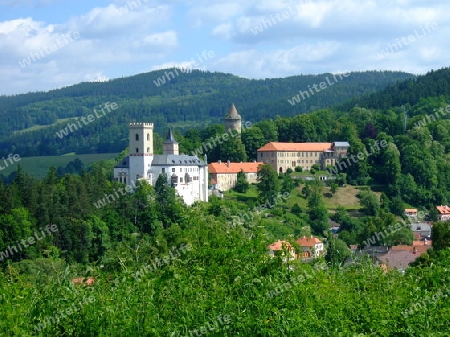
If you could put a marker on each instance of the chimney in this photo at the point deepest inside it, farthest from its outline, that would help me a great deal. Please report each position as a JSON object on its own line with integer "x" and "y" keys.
{"x": 228, "y": 163}
{"x": 220, "y": 162}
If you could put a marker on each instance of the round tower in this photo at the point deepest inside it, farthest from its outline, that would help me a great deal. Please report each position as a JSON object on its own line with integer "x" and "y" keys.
{"x": 233, "y": 120}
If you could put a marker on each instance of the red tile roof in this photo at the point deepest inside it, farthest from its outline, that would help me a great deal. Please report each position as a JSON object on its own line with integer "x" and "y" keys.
{"x": 308, "y": 241}
{"x": 278, "y": 245}
{"x": 410, "y": 210}
{"x": 87, "y": 281}
{"x": 234, "y": 167}
{"x": 443, "y": 209}
{"x": 296, "y": 147}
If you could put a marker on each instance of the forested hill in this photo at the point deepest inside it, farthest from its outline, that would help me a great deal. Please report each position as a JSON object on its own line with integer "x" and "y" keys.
{"x": 409, "y": 92}
{"x": 30, "y": 121}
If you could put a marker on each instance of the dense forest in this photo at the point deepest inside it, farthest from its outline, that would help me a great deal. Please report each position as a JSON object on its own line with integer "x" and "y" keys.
{"x": 161, "y": 268}
{"x": 193, "y": 99}
{"x": 164, "y": 269}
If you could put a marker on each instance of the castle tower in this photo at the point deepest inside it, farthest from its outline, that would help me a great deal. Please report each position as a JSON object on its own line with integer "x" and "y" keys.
{"x": 233, "y": 120}
{"x": 141, "y": 150}
{"x": 170, "y": 145}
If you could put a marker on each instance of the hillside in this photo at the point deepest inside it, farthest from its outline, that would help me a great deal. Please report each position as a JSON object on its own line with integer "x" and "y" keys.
{"x": 188, "y": 100}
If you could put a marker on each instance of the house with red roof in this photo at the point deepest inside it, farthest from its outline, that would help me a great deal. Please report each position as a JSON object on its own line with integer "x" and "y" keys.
{"x": 311, "y": 246}
{"x": 282, "y": 248}
{"x": 443, "y": 212}
{"x": 282, "y": 156}
{"x": 223, "y": 176}
{"x": 411, "y": 212}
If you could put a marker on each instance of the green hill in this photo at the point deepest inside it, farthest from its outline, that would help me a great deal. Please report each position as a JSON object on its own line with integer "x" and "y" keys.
{"x": 188, "y": 100}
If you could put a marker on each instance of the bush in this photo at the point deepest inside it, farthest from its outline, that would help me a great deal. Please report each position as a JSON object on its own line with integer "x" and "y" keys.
{"x": 298, "y": 169}
{"x": 289, "y": 171}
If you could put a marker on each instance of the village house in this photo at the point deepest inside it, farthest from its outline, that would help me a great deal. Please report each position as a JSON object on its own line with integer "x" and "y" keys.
{"x": 311, "y": 246}
{"x": 282, "y": 247}
{"x": 443, "y": 213}
{"x": 223, "y": 176}
{"x": 411, "y": 213}
{"x": 282, "y": 156}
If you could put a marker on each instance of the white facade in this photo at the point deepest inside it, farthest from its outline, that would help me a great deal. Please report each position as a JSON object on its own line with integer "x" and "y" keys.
{"x": 187, "y": 174}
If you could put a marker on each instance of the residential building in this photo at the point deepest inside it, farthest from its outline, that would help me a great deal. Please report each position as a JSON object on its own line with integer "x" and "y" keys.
{"x": 187, "y": 174}
{"x": 311, "y": 246}
{"x": 282, "y": 156}
{"x": 280, "y": 246}
{"x": 423, "y": 229}
{"x": 443, "y": 213}
{"x": 411, "y": 213}
{"x": 223, "y": 176}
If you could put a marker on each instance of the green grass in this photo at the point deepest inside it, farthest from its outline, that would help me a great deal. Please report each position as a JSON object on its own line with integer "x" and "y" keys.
{"x": 38, "y": 167}
{"x": 39, "y": 127}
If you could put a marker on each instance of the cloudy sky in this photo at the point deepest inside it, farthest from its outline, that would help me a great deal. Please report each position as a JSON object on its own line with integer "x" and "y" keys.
{"x": 47, "y": 44}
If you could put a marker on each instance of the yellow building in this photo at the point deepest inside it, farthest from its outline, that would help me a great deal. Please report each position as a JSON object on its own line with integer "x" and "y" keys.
{"x": 282, "y": 156}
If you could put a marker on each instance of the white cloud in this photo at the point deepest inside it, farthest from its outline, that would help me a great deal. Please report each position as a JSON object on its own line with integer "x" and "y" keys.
{"x": 316, "y": 36}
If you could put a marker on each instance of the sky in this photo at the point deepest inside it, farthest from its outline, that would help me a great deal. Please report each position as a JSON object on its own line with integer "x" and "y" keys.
{"x": 49, "y": 44}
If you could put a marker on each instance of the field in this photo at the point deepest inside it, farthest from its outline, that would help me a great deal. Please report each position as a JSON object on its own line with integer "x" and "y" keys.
{"x": 38, "y": 166}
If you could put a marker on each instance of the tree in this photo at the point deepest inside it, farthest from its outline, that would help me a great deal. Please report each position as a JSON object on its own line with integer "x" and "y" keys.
{"x": 233, "y": 150}
{"x": 268, "y": 184}
{"x": 242, "y": 184}
{"x": 441, "y": 235}
{"x": 317, "y": 211}
{"x": 287, "y": 184}
{"x": 337, "y": 251}
{"x": 333, "y": 187}
{"x": 253, "y": 139}
{"x": 370, "y": 203}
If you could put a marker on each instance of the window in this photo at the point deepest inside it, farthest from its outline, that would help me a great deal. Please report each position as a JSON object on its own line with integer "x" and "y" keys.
{"x": 173, "y": 169}
{"x": 137, "y": 150}
{"x": 148, "y": 150}
{"x": 137, "y": 137}
{"x": 181, "y": 180}
{"x": 148, "y": 136}
{"x": 163, "y": 170}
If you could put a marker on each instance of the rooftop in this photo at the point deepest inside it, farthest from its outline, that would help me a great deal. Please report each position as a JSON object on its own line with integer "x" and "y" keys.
{"x": 232, "y": 113}
{"x": 308, "y": 241}
{"x": 443, "y": 209}
{"x": 278, "y": 245}
{"x": 170, "y": 139}
{"x": 296, "y": 147}
{"x": 220, "y": 167}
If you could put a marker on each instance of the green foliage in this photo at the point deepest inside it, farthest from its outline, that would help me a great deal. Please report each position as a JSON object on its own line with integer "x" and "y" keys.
{"x": 242, "y": 184}
{"x": 440, "y": 233}
{"x": 298, "y": 169}
{"x": 268, "y": 184}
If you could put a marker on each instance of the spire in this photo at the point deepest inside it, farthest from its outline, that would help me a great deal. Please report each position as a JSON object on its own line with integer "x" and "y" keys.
{"x": 170, "y": 139}
{"x": 232, "y": 113}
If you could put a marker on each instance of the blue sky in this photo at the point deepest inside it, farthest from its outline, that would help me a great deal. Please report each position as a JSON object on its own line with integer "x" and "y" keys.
{"x": 109, "y": 39}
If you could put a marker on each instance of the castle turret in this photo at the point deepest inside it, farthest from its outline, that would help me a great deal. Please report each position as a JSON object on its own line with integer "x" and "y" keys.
{"x": 233, "y": 120}
{"x": 170, "y": 145}
{"x": 141, "y": 149}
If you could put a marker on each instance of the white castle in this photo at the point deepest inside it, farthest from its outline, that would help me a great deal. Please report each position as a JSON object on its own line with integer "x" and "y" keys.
{"x": 187, "y": 174}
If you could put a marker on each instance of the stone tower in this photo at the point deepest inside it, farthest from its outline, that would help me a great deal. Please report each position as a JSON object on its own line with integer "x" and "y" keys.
{"x": 170, "y": 145}
{"x": 141, "y": 149}
{"x": 233, "y": 120}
